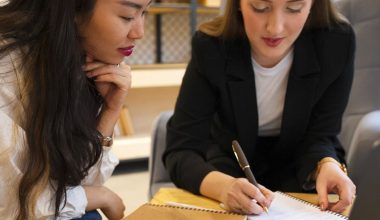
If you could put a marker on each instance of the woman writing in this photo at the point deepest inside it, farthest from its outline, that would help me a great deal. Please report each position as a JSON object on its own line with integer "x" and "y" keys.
{"x": 62, "y": 86}
{"x": 276, "y": 76}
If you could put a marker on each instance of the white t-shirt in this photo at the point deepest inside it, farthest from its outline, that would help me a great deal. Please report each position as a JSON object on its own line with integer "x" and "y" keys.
{"x": 271, "y": 86}
{"x": 12, "y": 146}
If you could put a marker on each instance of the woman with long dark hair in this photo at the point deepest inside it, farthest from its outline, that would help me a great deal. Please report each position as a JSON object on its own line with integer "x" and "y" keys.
{"x": 62, "y": 86}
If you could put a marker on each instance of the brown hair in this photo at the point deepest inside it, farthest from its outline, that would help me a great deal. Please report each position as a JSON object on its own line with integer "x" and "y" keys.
{"x": 323, "y": 14}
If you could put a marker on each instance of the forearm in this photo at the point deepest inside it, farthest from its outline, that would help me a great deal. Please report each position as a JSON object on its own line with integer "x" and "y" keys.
{"x": 214, "y": 183}
{"x": 107, "y": 121}
{"x": 100, "y": 197}
{"x": 95, "y": 197}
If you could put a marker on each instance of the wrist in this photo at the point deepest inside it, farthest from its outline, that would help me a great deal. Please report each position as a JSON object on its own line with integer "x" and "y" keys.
{"x": 214, "y": 185}
{"x": 329, "y": 160}
{"x": 106, "y": 122}
{"x": 105, "y": 141}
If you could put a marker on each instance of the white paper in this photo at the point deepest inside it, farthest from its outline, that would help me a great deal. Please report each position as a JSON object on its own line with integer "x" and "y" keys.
{"x": 286, "y": 207}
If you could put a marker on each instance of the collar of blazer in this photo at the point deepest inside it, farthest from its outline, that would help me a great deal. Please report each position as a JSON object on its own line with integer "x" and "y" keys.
{"x": 305, "y": 60}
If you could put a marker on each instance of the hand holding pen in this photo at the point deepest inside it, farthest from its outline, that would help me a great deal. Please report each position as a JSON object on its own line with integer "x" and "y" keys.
{"x": 262, "y": 196}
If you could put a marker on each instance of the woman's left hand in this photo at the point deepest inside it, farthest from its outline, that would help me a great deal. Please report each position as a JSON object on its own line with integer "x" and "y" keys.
{"x": 112, "y": 82}
{"x": 331, "y": 179}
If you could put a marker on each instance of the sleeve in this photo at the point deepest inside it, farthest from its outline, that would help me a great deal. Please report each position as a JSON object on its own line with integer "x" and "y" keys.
{"x": 102, "y": 170}
{"x": 11, "y": 149}
{"x": 75, "y": 206}
{"x": 189, "y": 128}
{"x": 76, "y": 202}
{"x": 325, "y": 123}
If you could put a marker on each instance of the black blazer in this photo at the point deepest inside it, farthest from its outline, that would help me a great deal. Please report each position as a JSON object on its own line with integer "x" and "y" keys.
{"x": 217, "y": 103}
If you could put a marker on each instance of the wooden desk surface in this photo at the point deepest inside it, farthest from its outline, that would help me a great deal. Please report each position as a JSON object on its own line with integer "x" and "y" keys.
{"x": 182, "y": 196}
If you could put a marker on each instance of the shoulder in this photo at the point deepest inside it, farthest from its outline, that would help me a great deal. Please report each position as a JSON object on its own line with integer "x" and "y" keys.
{"x": 334, "y": 46}
{"x": 202, "y": 39}
{"x": 208, "y": 46}
{"x": 339, "y": 37}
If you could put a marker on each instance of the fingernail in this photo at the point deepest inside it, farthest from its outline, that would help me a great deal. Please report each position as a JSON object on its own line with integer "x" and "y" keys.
{"x": 89, "y": 75}
{"x": 322, "y": 207}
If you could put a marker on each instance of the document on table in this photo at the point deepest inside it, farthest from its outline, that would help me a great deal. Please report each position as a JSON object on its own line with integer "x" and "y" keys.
{"x": 286, "y": 207}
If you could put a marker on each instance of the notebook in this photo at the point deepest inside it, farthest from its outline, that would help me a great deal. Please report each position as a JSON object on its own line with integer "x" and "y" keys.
{"x": 286, "y": 207}
{"x": 151, "y": 211}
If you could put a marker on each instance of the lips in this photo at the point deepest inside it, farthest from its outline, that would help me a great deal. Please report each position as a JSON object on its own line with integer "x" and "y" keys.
{"x": 272, "y": 42}
{"x": 126, "y": 51}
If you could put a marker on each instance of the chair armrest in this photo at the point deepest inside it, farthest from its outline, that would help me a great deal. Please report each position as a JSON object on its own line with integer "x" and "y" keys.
{"x": 365, "y": 137}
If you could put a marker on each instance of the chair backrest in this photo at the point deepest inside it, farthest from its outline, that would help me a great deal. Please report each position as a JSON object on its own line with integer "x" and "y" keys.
{"x": 159, "y": 177}
{"x": 361, "y": 121}
{"x": 366, "y": 206}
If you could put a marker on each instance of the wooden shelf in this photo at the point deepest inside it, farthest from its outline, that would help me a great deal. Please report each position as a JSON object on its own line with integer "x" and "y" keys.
{"x": 132, "y": 147}
{"x": 154, "y": 90}
{"x": 157, "y": 76}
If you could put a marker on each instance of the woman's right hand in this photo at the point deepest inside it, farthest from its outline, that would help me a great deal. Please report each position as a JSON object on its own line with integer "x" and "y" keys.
{"x": 241, "y": 196}
{"x": 237, "y": 194}
{"x": 100, "y": 197}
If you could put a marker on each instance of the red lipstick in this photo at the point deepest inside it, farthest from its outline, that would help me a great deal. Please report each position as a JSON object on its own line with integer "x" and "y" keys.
{"x": 126, "y": 51}
{"x": 272, "y": 42}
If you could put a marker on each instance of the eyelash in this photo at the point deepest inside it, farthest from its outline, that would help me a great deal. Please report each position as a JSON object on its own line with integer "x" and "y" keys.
{"x": 260, "y": 10}
{"x": 129, "y": 19}
{"x": 293, "y": 11}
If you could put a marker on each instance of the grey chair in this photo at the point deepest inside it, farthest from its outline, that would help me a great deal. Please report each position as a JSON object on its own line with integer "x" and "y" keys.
{"x": 361, "y": 121}
{"x": 158, "y": 174}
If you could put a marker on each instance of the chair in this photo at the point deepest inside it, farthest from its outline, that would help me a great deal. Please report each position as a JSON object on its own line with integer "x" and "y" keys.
{"x": 158, "y": 174}
{"x": 361, "y": 121}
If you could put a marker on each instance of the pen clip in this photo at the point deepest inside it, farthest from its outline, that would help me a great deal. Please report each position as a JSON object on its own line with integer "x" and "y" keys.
{"x": 237, "y": 157}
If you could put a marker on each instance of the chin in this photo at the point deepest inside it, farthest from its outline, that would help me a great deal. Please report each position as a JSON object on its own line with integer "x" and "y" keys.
{"x": 113, "y": 61}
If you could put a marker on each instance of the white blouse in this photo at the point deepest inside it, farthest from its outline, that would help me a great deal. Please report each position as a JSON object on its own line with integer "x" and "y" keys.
{"x": 271, "y": 84}
{"x": 12, "y": 149}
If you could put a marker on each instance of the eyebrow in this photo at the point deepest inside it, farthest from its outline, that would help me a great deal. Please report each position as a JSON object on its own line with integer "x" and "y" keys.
{"x": 133, "y": 4}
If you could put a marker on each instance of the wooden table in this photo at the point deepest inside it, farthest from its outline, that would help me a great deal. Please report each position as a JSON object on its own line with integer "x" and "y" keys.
{"x": 182, "y": 196}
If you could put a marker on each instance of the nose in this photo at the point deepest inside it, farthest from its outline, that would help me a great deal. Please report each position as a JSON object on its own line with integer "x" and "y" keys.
{"x": 275, "y": 23}
{"x": 137, "y": 29}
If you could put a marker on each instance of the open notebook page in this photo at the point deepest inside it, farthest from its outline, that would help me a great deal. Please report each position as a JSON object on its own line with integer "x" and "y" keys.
{"x": 286, "y": 207}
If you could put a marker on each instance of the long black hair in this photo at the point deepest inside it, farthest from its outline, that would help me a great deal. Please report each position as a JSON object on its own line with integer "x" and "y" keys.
{"x": 61, "y": 104}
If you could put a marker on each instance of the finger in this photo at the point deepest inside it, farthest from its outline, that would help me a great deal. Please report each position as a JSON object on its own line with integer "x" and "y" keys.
{"x": 108, "y": 70}
{"x": 322, "y": 196}
{"x": 254, "y": 193}
{"x": 124, "y": 71}
{"x": 232, "y": 206}
{"x": 90, "y": 66}
{"x": 250, "y": 206}
{"x": 345, "y": 199}
{"x": 119, "y": 81}
{"x": 269, "y": 195}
